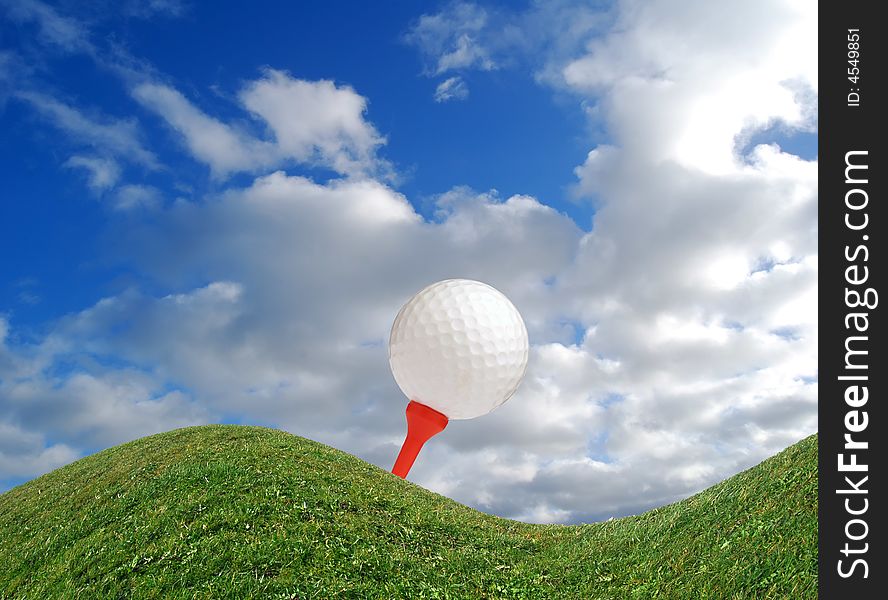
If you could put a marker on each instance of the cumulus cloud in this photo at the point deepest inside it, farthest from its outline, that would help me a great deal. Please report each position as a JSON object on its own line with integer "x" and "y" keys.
{"x": 315, "y": 121}
{"x": 453, "y": 88}
{"x": 26, "y": 454}
{"x": 747, "y": 79}
{"x": 53, "y": 390}
{"x": 327, "y": 300}
{"x": 312, "y": 122}
{"x": 673, "y": 345}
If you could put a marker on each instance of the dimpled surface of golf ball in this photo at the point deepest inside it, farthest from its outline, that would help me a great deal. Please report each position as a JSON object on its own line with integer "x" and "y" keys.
{"x": 459, "y": 347}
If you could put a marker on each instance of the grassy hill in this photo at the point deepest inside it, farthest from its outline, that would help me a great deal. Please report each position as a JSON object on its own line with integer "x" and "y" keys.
{"x": 247, "y": 512}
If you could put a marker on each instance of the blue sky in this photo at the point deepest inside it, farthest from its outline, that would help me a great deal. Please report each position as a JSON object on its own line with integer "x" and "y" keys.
{"x": 210, "y": 213}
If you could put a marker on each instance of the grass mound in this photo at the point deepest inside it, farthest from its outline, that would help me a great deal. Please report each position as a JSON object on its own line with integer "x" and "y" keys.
{"x": 247, "y": 512}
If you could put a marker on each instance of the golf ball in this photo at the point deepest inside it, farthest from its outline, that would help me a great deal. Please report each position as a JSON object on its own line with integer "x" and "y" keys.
{"x": 459, "y": 347}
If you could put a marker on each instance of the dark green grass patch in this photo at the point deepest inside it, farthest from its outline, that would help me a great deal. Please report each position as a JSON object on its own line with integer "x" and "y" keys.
{"x": 246, "y": 512}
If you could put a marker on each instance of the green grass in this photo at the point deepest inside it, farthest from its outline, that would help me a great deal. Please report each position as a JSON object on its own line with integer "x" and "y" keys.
{"x": 247, "y": 512}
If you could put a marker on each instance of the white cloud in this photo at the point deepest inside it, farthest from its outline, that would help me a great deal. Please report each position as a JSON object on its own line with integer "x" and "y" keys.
{"x": 452, "y": 88}
{"x": 103, "y": 173}
{"x": 651, "y": 65}
{"x": 116, "y": 137}
{"x": 26, "y": 454}
{"x": 81, "y": 405}
{"x": 72, "y": 35}
{"x": 342, "y": 269}
{"x": 313, "y": 122}
{"x": 60, "y": 31}
{"x": 449, "y": 39}
{"x": 465, "y": 36}
{"x": 465, "y": 53}
{"x": 134, "y": 196}
{"x": 210, "y": 141}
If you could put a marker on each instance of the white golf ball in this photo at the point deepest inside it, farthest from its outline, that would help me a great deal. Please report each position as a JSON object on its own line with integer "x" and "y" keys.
{"x": 459, "y": 347}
